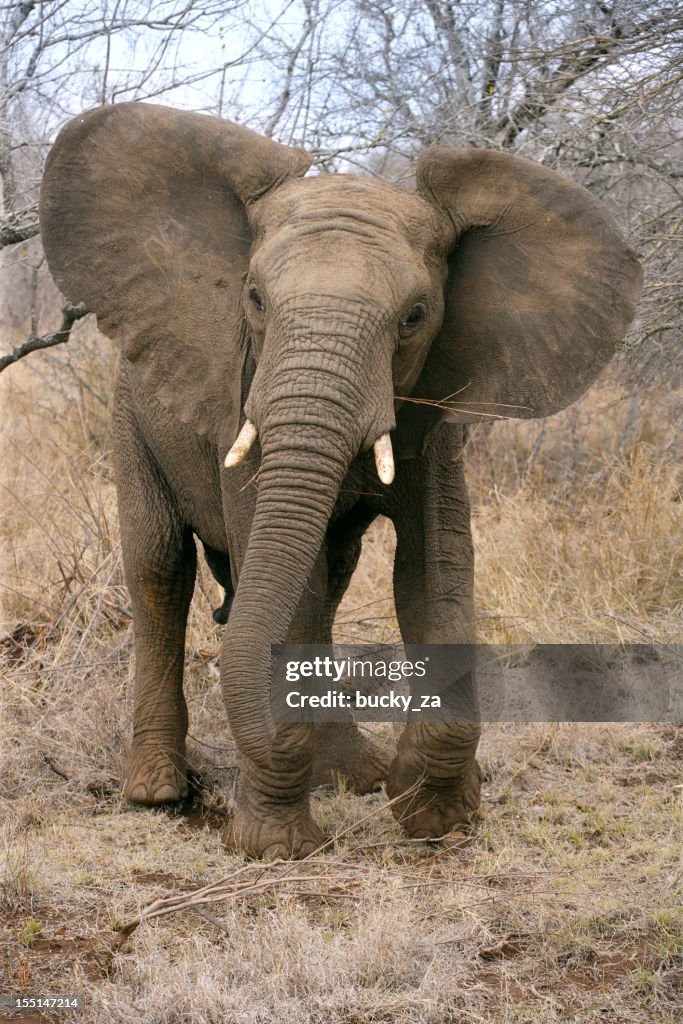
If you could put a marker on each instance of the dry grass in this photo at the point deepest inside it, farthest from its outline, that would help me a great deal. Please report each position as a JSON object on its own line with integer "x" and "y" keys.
{"x": 566, "y": 904}
{"x": 577, "y": 523}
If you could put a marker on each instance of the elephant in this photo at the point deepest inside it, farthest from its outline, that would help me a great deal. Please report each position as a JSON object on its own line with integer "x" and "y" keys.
{"x": 301, "y": 354}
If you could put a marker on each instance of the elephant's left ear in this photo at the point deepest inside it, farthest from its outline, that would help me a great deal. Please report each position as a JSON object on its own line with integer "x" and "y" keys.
{"x": 143, "y": 216}
{"x": 540, "y": 287}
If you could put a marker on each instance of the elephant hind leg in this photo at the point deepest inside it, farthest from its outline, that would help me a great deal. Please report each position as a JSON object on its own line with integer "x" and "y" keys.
{"x": 342, "y": 750}
{"x": 272, "y": 816}
{"x": 219, "y": 564}
{"x": 435, "y": 778}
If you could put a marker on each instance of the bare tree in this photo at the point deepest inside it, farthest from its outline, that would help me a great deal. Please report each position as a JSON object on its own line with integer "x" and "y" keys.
{"x": 57, "y": 57}
{"x": 589, "y": 86}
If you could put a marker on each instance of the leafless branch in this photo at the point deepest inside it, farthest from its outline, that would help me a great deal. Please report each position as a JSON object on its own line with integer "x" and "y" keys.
{"x": 289, "y": 75}
{"x": 70, "y": 315}
{"x": 255, "y": 879}
{"x": 11, "y": 233}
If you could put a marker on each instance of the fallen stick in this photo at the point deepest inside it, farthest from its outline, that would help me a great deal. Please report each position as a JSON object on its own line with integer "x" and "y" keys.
{"x": 236, "y": 885}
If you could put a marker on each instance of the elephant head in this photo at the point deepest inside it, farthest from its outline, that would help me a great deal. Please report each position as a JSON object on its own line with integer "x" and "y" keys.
{"x": 497, "y": 288}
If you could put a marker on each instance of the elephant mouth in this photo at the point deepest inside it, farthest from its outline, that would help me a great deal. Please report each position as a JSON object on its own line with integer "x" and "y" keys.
{"x": 382, "y": 448}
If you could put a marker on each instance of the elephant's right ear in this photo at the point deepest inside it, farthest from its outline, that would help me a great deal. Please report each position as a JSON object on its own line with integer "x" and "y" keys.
{"x": 143, "y": 218}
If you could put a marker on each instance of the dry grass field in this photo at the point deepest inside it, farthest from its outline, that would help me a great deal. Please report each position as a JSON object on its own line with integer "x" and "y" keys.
{"x": 563, "y": 905}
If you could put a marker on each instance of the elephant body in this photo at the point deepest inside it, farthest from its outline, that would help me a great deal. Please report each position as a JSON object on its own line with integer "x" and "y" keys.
{"x": 172, "y": 489}
{"x": 281, "y": 335}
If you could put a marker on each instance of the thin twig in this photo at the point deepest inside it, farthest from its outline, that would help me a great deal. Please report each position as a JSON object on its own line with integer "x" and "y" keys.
{"x": 70, "y": 314}
{"x": 211, "y": 919}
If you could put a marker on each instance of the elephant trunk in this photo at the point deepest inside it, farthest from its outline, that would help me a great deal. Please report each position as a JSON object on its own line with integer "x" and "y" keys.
{"x": 307, "y": 443}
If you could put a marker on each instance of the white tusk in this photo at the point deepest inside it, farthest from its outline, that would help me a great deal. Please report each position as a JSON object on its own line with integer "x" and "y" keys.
{"x": 239, "y": 450}
{"x": 384, "y": 459}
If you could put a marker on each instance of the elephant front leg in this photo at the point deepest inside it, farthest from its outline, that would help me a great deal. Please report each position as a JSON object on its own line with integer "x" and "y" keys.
{"x": 272, "y": 816}
{"x": 155, "y": 769}
{"x": 159, "y": 561}
{"x": 434, "y": 777}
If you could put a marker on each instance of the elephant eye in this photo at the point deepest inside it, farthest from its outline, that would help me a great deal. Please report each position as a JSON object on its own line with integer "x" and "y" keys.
{"x": 413, "y": 320}
{"x": 256, "y": 300}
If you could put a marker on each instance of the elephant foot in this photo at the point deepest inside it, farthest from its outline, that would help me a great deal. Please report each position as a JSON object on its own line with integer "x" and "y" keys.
{"x": 155, "y": 775}
{"x": 277, "y": 836}
{"x": 433, "y": 807}
{"x": 272, "y": 816}
{"x": 342, "y": 750}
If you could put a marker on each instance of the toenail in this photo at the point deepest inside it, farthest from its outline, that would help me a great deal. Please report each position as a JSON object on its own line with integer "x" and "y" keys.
{"x": 165, "y": 793}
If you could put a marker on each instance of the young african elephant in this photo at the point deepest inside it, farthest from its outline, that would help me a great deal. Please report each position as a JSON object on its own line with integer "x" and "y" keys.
{"x": 289, "y": 327}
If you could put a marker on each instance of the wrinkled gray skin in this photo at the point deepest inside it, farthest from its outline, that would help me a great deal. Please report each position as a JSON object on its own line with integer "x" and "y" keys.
{"x": 343, "y": 303}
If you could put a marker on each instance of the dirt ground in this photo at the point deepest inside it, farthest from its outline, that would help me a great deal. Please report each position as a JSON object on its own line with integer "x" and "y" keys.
{"x": 564, "y": 903}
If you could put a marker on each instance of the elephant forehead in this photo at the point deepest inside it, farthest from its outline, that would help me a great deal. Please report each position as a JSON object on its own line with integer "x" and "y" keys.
{"x": 373, "y": 283}
{"x": 344, "y": 203}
